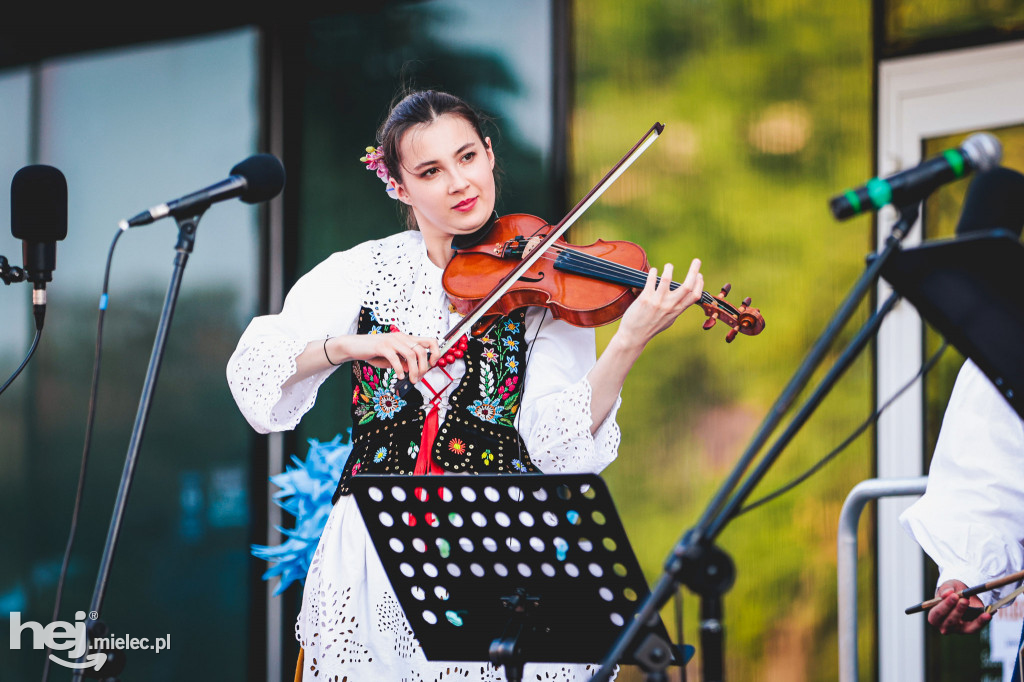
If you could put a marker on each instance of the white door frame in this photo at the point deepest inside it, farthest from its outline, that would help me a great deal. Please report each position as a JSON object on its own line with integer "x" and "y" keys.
{"x": 919, "y": 98}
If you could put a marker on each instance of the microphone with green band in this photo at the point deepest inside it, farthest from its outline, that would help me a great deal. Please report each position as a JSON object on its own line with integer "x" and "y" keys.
{"x": 979, "y": 152}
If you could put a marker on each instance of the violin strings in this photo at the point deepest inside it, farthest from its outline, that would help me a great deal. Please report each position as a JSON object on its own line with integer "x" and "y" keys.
{"x": 599, "y": 265}
{"x": 602, "y": 266}
{"x": 619, "y": 272}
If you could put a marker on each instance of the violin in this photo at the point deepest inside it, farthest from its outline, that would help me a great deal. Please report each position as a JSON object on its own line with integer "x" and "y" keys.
{"x": 587, "y": 286}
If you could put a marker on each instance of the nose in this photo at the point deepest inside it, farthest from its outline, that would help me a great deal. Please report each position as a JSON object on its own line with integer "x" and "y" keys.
{"x": 457, "y": 181}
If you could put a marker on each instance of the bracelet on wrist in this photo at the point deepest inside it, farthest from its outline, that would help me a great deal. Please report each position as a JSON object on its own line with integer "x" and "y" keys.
{"x": 332, "y": 363}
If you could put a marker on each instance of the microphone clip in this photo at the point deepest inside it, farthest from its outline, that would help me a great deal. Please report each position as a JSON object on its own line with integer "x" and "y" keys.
{"x": 11, "y": 273}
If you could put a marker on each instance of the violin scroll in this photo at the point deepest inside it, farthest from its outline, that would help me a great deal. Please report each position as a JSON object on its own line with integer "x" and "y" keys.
{"x": 742, "y": 320}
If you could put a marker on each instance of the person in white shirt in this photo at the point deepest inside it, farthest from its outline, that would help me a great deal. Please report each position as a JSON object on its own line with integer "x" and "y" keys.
{"x": 970, "y": 520}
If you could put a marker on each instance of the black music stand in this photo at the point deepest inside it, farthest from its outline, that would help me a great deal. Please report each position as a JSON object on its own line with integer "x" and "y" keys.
{"x": 510, "y": 568}
{"x": 971, "y": 289}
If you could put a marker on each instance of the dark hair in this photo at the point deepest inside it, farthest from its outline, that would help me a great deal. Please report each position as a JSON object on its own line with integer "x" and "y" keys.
{"x": 422, "y": 106}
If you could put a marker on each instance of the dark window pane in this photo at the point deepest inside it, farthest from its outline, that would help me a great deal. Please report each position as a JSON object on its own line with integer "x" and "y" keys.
{"x": 909, "y": 25}
{"x": 132, "y": 128}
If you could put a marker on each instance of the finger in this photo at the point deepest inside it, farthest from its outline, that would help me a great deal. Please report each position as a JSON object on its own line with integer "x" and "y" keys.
{"x": 415, "y": 357}
{"x": 430, "y": 347}
{"x": 693, "y": 274}
{"x": 694, "y": 293}
{"x": 409, "y": 359}
{"x": 938, "y": 613}
{"x": 698, "y": 288}
{"x": 420, "y": 364}
{"x": 690, "y": 289}
{"x": 955, "y": 621}
{"x": 972, "y": 626}
{"x": 666, "y": 278}
{"x": 392, "y": 358}
{"x": 652, "y": 280}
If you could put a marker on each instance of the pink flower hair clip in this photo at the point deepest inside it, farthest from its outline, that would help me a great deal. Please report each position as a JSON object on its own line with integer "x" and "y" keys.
{"x": 374, "y": 161}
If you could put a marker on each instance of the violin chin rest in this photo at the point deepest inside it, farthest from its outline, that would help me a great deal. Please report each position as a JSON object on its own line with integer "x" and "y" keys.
{"x": 465, "y": 241}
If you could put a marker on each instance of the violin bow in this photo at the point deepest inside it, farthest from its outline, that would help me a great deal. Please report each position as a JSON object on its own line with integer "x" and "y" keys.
{"x": 466, "y": 325}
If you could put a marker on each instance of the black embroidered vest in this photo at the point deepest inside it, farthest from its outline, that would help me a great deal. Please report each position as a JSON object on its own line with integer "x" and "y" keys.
{"x": 478, "y": 434}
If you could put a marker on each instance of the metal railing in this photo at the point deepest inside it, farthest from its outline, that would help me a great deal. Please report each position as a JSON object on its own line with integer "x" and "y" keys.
{"x": 846, "y": 560}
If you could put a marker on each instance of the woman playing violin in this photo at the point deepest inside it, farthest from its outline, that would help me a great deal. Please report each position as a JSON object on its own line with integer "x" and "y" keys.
{"x": 527, "y": 395}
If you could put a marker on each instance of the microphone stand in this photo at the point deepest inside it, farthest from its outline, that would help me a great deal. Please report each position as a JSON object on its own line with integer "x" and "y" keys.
{"x": 94, "y": 626}
{"x": 10, "y": 273}
{"x": 695, "y": 561}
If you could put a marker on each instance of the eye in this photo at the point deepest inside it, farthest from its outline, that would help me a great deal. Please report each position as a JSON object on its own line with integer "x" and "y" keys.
{"x": 468, "y": 157}
{"x": 429, "y": 172}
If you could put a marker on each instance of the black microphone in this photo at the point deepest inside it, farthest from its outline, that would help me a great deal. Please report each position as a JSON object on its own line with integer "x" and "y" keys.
{"x": 994, "y": 200}
{"x": 39, "y": 217}
{"x": 258, "y": 178}
{"x": 979, "y": 152}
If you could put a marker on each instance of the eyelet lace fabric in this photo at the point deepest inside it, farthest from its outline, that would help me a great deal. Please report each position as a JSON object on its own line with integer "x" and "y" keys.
{"x": 351, "y": 625}
{"x": 267, "y": 365}
{"x": 560, "y": 442}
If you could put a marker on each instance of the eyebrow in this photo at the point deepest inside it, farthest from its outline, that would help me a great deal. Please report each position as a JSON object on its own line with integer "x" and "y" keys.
{"x": 432, "y": 163}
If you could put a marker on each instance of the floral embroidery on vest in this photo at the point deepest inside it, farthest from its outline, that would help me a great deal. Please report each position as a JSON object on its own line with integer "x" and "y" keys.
{"x": 375, "y": 396}
{"x": 499, "y": 376}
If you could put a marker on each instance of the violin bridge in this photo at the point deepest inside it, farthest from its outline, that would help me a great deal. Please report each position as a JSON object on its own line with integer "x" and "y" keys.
{"x": 531, "y": 244}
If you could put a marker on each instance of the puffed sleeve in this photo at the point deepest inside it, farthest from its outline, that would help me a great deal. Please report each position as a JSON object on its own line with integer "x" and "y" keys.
{"x": 324, "y": 302}
{"x": 970, "y": 520}
{"x": 555, "y": 416}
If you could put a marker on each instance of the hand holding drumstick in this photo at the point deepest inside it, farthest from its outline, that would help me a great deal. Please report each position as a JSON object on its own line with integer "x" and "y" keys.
{"x": 950, "y": 611}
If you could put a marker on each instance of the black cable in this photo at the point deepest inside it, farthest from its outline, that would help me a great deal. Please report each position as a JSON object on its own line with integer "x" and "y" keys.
{"x": 925, "y": 368}
{"x": 90, "y": 419}
{"x": 31, "y": 352}
{"x": 526, "y": 363}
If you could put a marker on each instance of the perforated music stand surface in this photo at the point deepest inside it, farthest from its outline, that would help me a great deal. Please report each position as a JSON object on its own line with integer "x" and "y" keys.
{"x": 971, "y": 289}
{"x": 473, "y": 540}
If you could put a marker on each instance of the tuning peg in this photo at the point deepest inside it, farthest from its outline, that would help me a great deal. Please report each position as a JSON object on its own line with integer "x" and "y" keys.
{"x": 725, "y": 290}
{"x": 746, "y": 301}
{"x": 712, "y": 318}
{"x": 731, "y": 335}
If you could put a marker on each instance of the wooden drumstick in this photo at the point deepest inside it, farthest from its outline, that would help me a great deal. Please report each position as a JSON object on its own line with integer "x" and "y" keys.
{"x": 969, "y": 592}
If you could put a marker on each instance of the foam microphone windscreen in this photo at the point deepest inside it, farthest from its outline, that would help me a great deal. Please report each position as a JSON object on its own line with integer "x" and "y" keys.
{"x": 264, "y": 177}
{"x": 39, "y": 204}
{"x": 995, "y": 199}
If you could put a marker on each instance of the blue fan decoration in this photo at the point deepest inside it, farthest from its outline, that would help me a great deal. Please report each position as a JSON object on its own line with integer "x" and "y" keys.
{"x": 305, "y": 493}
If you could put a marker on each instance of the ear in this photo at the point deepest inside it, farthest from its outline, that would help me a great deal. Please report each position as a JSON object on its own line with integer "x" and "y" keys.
{"x": 489, "y": 148}
{"x": 398, "y": 191}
